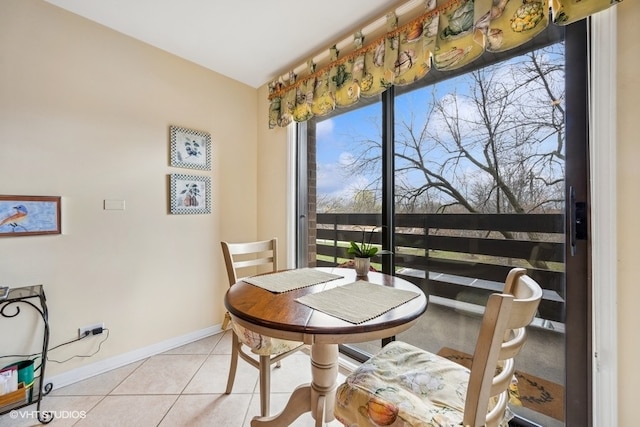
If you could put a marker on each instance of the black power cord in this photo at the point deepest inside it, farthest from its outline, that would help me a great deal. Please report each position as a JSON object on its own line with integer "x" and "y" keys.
{"x": 96, "y": 331}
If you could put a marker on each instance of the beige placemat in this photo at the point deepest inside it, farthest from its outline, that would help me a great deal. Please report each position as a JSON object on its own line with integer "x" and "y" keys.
{"x": 357, "y": 302}
{"x": 289, "y": 280}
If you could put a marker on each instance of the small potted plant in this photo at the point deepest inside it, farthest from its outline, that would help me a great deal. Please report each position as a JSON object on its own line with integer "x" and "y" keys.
{"x": 363, "y": 251}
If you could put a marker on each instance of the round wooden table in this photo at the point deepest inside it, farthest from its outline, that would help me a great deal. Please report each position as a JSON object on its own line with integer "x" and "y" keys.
{"x": 278, "y": 315}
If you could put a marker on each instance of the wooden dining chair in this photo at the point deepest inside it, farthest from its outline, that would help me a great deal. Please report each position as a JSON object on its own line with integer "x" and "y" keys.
{"x": 405, "y": 386}
{"x": 255, "y": 258}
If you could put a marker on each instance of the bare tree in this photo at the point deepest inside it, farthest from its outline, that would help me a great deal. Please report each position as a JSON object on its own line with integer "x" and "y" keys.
{"x": 363, "y": 201}
{"x": 491, "y": 142}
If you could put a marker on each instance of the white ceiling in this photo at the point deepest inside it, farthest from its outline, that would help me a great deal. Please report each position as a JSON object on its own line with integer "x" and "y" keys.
{"x": 252, "y": 41}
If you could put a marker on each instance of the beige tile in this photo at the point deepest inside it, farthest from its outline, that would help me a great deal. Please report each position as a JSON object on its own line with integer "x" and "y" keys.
{"x": 224, "y": 345}
{"x": 208, "y": 410}
{"x": 100, "y": 385}
{"x": 294, "y": 370}
{"x": 161, "y": 374}
{"x": 128, "y": 411}
{"x": 146, "y": 393}
{"x": 203, "y": 346}
{"x": 212, "y": 377}
{"x": 68, "y": 410}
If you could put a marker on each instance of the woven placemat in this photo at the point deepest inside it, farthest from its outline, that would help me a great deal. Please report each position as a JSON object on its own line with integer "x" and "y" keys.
{"x": 357, "y": 302}
{"x": 289, "y": 280}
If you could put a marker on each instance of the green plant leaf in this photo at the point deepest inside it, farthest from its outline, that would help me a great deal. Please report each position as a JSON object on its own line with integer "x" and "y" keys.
{"x": 354, "y": 249}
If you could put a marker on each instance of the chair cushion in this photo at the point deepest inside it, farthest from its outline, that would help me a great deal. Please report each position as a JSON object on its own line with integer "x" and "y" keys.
{"x": 403, "y": 385}
{"x": 263, "y": 345}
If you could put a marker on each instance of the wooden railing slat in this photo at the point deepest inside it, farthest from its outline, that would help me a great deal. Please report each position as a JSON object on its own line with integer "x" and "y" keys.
{"x": 427, "y": 243}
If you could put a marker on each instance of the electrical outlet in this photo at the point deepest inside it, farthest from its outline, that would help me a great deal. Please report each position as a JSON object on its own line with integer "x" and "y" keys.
{"x": 87, "y": 330}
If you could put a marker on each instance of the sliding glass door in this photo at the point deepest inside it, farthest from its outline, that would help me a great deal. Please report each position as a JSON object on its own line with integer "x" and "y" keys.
{"x": 465, "y": 176}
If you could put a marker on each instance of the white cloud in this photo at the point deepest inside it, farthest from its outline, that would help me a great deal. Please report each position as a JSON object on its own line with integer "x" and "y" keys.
{"x": 346, "y": 159}
{"x": 333, "y": 180}
{"x": 324, "y": 129}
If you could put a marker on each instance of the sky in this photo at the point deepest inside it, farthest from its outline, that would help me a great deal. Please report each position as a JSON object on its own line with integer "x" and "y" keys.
{"x": 335, "y": 148}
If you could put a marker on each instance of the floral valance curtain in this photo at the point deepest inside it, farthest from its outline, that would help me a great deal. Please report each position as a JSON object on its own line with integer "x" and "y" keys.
{"x": 446, "y": 34}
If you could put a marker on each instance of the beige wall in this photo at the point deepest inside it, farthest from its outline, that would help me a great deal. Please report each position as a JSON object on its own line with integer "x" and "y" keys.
{"x": 272, "y": 179}
{"x": 85, "y": 114}
{"x": 628, "y": 155}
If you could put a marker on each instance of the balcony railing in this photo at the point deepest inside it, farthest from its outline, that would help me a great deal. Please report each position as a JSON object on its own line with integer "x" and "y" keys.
{"x": 461, "y": 257}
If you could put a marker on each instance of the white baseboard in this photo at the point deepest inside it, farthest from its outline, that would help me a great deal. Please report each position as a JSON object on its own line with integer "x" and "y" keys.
{"x": 103, "y": 366}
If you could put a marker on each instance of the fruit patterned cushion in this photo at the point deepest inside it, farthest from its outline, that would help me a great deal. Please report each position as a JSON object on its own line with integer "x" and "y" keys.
{"x": 263, "y": 345}
{"x": 404, "y": 386}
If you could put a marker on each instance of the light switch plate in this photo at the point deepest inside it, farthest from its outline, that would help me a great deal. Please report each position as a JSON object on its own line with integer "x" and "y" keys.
{"x": 114, "y": 205}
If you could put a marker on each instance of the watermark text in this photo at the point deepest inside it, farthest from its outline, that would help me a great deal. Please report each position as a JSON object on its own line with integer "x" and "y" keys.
{"x": 35, "y": 415}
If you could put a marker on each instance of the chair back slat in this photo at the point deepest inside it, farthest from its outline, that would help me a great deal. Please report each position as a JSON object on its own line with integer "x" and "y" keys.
{"x": 496, "y": 414}
{"x": 502, "y": 380}
{"x": 511, "y": 348}
{"x": 252, "y": 262}
{"x": 501, "y": 337}
{"x": 248, "y": 257}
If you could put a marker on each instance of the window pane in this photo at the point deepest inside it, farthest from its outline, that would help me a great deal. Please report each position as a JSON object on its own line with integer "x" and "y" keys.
{"x": 479, "y": 189}
{"x": 345, "y": 182}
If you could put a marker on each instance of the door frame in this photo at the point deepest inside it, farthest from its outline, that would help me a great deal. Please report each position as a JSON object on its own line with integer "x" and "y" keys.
{"x": 603, "y": 166}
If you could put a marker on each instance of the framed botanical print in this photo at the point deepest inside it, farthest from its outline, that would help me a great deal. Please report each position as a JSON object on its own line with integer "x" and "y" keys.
{"x": 190, "y": 194}
{"x": 190, "y": 148}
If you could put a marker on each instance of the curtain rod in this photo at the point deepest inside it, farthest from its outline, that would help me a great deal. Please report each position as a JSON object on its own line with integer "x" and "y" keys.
{"x": 370, "y": 28}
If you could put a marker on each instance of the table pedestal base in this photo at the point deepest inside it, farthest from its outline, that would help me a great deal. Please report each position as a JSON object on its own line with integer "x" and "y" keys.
{"x": 317, "y": 397}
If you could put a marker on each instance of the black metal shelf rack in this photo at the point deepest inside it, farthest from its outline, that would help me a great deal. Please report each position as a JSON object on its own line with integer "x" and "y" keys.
{"x": 34, "y": 297}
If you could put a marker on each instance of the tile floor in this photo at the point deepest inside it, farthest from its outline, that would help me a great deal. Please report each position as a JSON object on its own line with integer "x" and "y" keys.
{"x": 181, "y": 387}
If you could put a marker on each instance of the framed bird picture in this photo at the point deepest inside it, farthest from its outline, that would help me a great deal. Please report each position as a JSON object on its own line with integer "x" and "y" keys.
{"x": 190, "y": 148}
{"x": 29, "y": 215}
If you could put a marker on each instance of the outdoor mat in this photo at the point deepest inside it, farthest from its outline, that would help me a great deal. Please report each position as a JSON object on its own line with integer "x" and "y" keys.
{"x": 531, "y": 392}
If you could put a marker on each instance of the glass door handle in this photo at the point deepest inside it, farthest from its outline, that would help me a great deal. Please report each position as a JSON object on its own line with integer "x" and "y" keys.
{"x": 577, "y": 220}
